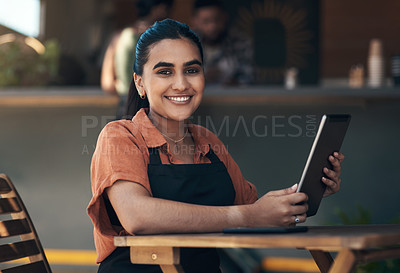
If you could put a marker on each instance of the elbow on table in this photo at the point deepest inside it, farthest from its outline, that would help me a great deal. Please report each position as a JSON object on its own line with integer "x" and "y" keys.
{"x": 135, "y": 229}
{"x": 136, "y": 226}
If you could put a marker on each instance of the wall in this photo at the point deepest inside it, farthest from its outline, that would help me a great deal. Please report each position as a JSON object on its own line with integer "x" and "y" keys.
{"x": 84, "y": 28}
{"x": 79, "y": 27}
{"x": 46, "y": 150}
{"x": 348, "y": 26}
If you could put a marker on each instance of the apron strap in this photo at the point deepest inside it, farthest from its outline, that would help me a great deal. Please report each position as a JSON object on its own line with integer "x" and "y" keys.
{"x": 156, "y": 160}
{"x": 212, "y": 156}
{"x": 154, "y": 156}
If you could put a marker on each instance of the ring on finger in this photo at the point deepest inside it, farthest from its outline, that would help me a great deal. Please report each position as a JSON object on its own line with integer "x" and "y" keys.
{"x": 296, "y": 220}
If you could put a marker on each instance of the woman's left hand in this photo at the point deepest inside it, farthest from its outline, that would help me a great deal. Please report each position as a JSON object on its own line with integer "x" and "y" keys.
{"x": 332, "y": 178}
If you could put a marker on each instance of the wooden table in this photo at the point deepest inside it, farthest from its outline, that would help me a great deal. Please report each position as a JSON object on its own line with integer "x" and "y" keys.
{"x": 354, "y": 244}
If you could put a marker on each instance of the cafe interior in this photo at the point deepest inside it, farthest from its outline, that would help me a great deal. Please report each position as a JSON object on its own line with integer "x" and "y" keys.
{"x": 309, "y": 58}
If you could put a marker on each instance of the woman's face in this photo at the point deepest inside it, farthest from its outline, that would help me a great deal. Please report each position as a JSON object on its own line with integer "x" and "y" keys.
{"x": 172, "y": 79}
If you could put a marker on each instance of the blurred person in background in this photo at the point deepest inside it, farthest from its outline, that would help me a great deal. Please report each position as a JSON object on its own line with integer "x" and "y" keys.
{"x": 227, "y": 52}
{"x": 116, "y": 72}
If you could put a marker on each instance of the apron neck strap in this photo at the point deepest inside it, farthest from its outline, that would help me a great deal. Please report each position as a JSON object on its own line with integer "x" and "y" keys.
{"x": 212, "y": 156}
{"x": 155, "y": 156}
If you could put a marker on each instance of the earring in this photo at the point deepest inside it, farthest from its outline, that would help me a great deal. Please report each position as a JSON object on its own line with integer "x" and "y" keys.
{"x": 142, "y": 96}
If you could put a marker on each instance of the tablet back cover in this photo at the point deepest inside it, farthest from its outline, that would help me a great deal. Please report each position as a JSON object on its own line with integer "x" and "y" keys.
{"x": 329, "y": 141}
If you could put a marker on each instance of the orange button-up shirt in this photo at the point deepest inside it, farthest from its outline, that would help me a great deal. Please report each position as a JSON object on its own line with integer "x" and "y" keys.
{"x": 122, "y": 154}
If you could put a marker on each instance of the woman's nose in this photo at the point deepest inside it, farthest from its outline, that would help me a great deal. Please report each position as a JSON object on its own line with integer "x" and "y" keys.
{"x": 180, "y": 82}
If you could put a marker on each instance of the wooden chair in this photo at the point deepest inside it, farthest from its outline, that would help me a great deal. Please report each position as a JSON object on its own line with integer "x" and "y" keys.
{"x": 18, "y": 237}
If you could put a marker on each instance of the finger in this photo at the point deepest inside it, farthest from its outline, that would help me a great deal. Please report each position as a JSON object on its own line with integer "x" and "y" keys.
{"x": 334, "y": 186}
{"x": 301, "y": 218}
{"x": 339, "y": 156}
{"x": 335, "y": 163}
{"x": 334, "y": 175}
{"x": 299, "y": 197}
{"x": 286, "y": 191}
{"x": 299, "y": 209}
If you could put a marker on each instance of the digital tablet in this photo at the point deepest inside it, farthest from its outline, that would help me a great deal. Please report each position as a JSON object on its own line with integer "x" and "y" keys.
{"x": 328, "y": 140}
{"x": 267, "y": 230}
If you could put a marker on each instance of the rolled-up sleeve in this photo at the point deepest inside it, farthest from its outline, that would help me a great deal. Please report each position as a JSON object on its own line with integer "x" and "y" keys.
{"x": 116, "y": 157}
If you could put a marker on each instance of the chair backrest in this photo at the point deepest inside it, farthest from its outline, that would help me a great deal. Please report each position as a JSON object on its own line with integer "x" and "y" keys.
{"x": 18, "y": 237}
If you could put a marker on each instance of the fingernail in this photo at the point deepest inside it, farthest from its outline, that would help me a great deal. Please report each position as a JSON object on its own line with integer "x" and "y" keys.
{"x": 331, "y": 157}
{"x": 294, "y": 186}
{"x": 336, "y": 154}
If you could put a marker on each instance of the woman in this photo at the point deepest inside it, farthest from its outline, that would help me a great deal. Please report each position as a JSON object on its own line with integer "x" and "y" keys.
{"x": 158, "y": 173}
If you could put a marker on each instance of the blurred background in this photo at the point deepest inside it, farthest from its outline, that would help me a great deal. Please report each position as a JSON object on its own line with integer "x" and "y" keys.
{"x": 301, "y": 59}
{"x": 335, "y": 35}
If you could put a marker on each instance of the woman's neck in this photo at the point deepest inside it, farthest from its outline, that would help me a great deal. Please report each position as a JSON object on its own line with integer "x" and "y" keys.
{"x": 177, "y": 136}
{"x": 173, "y": 129}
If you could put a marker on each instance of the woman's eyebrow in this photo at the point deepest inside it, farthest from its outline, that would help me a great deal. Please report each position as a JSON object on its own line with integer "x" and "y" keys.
{"x": 163, "y": 64}
{"x": 192, "y": 62}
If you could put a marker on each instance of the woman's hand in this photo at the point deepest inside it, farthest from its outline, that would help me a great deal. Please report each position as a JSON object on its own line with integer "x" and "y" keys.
{"x": 332, "y": 179}
{"x": 279, "y": 208}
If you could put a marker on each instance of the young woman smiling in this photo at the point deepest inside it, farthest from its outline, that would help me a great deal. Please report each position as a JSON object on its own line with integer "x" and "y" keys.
{"x": 159, "y": 173}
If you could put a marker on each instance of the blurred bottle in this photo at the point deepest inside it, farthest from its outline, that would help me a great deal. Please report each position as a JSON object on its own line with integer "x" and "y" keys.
{"x": 356, "y": 76}
{"x": 376, "y": 71}
{"x": 291, "y": 78}
{"x": 396, "y": 69}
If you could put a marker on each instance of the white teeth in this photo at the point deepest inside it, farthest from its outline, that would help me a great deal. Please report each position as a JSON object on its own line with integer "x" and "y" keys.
{"x": 179, "y": 98}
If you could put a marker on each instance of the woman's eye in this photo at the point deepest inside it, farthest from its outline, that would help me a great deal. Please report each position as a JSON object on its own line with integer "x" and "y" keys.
{"x": 164, "y": 72}
{"x": 192, "y": 70}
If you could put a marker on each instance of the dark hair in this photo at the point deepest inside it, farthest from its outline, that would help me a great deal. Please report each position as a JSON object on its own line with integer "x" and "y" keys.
{"x": 166, "y": 29}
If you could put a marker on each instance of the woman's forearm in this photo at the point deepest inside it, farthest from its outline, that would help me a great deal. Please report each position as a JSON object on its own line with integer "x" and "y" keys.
{"x": 153, "y": 215}
{"x": 139, "y": 213}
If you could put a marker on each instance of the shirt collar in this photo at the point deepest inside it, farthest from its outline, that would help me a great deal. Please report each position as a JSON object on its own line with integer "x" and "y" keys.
{"x": 153, "y": 138}
{"x": 150, "y": 133}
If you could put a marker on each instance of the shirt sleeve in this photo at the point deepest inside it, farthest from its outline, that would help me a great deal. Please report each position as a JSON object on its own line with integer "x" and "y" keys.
{"x": 116, "y": 157}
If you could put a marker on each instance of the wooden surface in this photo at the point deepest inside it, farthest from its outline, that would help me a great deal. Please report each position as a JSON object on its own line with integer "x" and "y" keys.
{"x": 321, "y": 238}
{"x": 354, "y": 244}
{"x": 323, "y": 260}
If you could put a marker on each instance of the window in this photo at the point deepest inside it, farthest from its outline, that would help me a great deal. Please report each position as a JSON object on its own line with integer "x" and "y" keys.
{"x": 21, "y": 15}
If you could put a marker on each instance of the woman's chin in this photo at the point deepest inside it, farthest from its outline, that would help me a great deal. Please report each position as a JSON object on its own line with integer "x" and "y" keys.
{"x": 180, "y": 114}
{"x": 179, "y": 117}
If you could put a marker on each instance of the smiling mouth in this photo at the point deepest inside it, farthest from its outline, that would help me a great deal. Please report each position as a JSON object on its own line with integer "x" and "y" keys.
{"x": 179, "y": 98}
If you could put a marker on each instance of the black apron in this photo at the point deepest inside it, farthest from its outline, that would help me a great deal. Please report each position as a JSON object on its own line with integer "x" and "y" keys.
{"x": 201, "y": 184}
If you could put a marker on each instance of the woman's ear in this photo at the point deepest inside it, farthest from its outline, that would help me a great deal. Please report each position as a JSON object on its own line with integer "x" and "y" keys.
{"x": 139, "y": 84}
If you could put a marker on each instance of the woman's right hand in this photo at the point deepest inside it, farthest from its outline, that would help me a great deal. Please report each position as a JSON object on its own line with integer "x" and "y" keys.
{"x": 279, "y": 208}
